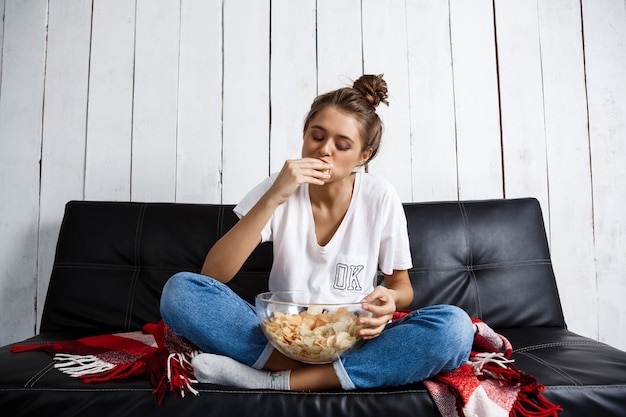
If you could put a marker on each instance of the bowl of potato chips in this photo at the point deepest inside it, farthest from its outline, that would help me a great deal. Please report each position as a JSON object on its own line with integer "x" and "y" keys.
{"x": 306, "y": 329}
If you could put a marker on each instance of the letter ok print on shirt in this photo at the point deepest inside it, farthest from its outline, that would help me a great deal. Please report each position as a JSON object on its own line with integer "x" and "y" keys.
{"x": 348, "y": 277}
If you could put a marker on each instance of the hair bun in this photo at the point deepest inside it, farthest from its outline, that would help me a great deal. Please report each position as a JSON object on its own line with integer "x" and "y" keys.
{"x": 373, "y": 88}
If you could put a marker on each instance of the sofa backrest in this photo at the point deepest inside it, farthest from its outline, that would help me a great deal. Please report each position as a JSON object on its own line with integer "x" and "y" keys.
{"x": 489, "y": 257}
{"x": 113, "y": 258}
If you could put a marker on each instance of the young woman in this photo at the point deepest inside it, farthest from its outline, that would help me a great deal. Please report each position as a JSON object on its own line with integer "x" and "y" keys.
{"x": 320, "y": 212}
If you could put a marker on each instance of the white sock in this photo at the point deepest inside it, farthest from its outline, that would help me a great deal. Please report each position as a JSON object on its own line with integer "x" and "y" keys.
{"x": 222, "y": 370}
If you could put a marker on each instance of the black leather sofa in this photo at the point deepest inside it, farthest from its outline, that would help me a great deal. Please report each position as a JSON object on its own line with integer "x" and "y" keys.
{"x": 489, "y": 257}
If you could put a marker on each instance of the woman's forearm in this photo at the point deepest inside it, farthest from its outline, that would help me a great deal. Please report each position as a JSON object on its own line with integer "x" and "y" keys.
{"x": 230, "y": 252}
{"x": 400, "y": 286}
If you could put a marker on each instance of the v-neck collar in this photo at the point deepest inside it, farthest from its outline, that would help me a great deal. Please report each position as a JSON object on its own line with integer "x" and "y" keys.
{"x": 309, "y": 207}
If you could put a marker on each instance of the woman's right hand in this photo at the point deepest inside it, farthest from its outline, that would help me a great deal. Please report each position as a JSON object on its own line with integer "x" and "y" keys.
{"x": 230, "y": 252}
{"x": 296, "y": 172}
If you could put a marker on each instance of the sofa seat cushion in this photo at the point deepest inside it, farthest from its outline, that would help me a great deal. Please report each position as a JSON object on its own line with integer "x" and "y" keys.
{"x": 562, "y": 357}
{"x": 31, "y": 386}
{"x": 582, "y": 375}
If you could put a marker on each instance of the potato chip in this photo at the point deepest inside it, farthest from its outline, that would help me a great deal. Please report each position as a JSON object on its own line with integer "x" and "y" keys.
{"x": 313, "y": 335}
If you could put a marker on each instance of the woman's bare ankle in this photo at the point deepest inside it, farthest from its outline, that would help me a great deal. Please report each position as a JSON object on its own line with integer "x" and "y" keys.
{"x": 279, "y": 362}
{"x": 314, "y": 377}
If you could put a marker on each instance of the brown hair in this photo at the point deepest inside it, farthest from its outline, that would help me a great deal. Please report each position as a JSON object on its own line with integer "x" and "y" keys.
{"x": 360, "y": 101}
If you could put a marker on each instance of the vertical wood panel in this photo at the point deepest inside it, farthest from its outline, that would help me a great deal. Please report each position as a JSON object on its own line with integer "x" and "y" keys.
{"x": 155, "y": 105}
{"x": 521, "y": 101}
{"x": 21, "y": 102}
{"x": 339, "y": 46}
{"x": 292, "y": 78}
{"x": 246, "y": 96}
{"x": 2, "y": 2}
{"x": 605, "y": 55}
{"x": 431, "y": 101}
{"x": 385, "y": 52}
{"x": 569, "y": 174}
{"x": 110, "y": 108}
{"x": 199, "y": 152}
{"x": 476, "y": 99}
{"x": 64, "y": 125}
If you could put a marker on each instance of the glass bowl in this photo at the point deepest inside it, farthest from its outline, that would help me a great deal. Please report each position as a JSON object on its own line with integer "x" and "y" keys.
{"x": 302, "y": 327}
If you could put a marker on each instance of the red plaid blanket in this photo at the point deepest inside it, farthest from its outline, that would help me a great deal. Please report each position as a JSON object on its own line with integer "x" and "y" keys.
{"x": 156, "y": 353}
{"x": 488, "y": 385}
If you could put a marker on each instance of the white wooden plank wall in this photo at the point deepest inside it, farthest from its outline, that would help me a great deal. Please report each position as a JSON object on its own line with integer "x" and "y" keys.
{"x": 339, "y": 46}
{"x": 476, "y": 106}
{"x": 2, "y": 2}
{"x": 246, "y": 111}
{"x": 568, "y": 163}
{"x": 64, "y": 122}
{"x": 155, "y": 103}
{"x": 21, "y": 114}
{"x": 605, "y": 52}
{"x": 521, "y": 100}
{"x": 196, "y": 101}
{"x": 199, "y": 146}
{"x": 384, "y": 41}
{"x": 432, "y": 101}
{"x": 293, "y": 79}
{"x": 110, "y": 107}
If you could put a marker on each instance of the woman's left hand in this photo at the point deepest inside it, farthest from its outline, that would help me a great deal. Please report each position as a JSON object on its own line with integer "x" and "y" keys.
{"x": 382, "y": 305}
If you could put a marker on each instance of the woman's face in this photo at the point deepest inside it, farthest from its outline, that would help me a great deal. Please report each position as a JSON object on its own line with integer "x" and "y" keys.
{"x": 333, "y": 136}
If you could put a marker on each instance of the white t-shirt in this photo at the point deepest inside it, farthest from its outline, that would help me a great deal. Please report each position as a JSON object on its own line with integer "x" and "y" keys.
{"x": 372, "y": 235}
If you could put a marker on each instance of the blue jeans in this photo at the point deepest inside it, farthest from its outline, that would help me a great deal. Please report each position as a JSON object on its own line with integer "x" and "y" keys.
{"x": 426, "y": 342}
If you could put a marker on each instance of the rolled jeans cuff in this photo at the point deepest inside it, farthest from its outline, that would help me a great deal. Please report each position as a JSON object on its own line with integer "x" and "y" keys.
{"x": 263, "y": 357}
{"x": 342, "y": 375}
